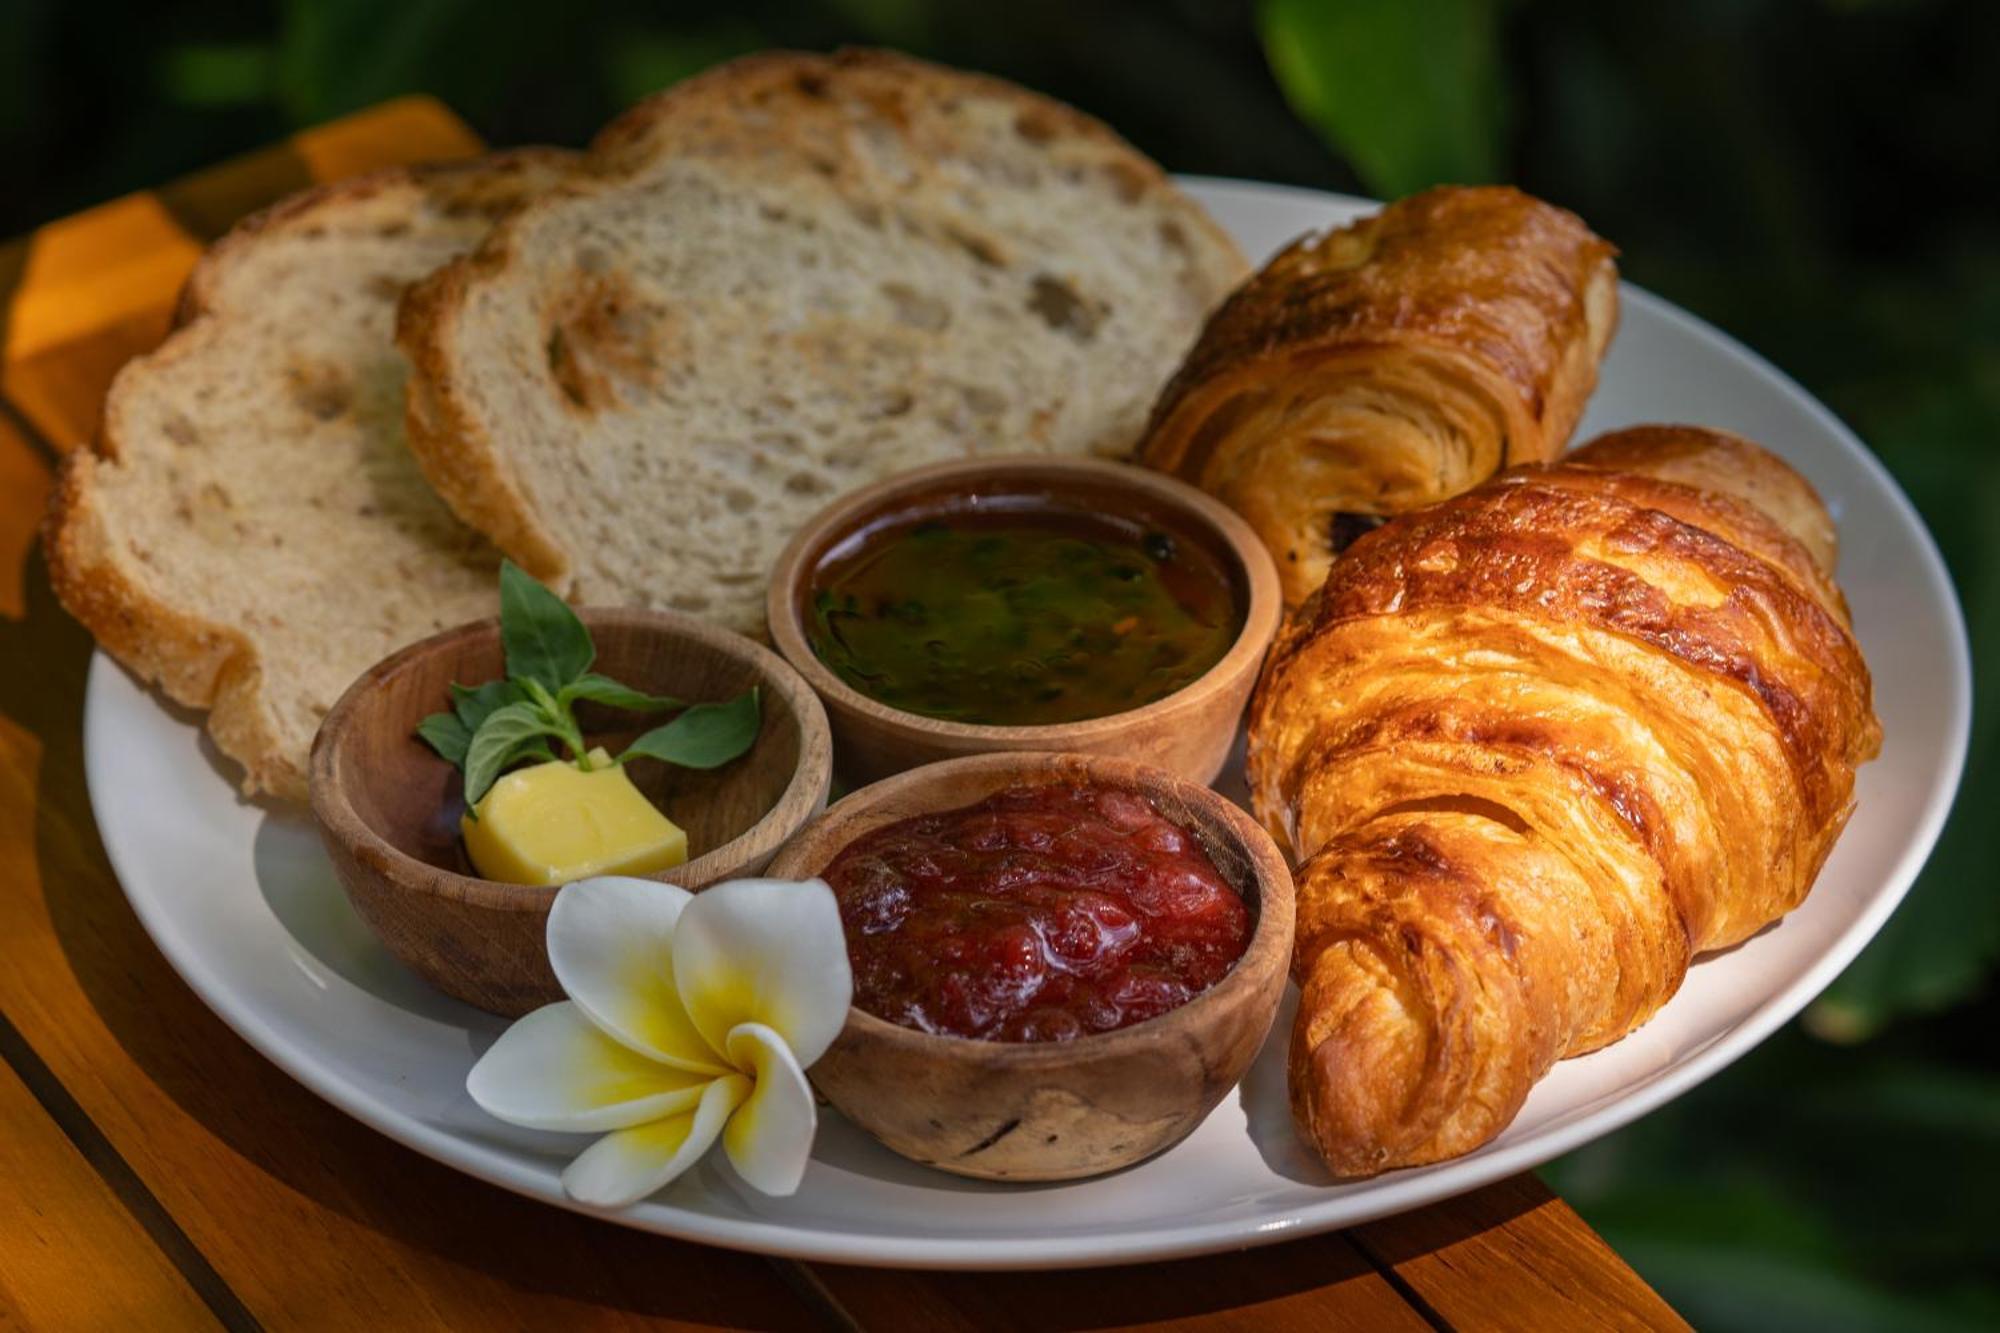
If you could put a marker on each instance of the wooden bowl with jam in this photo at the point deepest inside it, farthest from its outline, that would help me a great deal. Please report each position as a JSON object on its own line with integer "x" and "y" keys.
{"x": 1027, "y": 603}
{"x": 1081, "y": 955}
{"x": 388, "y": 806}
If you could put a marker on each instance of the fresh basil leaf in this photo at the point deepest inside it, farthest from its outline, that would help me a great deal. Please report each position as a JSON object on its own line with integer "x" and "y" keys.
{"x": 545, "y": 641}
{"x": 604, "y": 690}
{"x": 501, "y": 739}
{"x": 474, "y": 706}
{"x": 448, "y": 735}
{"x": 705, "y": 736}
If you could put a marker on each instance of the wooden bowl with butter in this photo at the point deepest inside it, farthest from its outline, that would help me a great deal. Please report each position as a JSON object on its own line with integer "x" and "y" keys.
{"x": 1002, "y": 1109}
{"x": 1027, "y": 603}
{"x": 388, "y": 807}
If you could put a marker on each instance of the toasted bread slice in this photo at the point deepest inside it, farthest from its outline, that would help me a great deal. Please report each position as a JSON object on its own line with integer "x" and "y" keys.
{"x": 780, "y": 280}
{"x": 251, "y": 531}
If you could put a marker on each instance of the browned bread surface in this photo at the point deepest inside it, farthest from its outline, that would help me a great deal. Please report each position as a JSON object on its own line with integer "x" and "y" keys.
{"x": 780, "y": 280}
{"x": 250, "y": 531}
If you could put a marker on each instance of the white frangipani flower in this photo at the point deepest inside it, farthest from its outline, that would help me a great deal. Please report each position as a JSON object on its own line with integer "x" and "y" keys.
{"x": 690, "y": 1017}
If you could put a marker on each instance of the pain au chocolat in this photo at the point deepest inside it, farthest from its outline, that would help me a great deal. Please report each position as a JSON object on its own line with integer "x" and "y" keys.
{"x": 1387, "y": 365}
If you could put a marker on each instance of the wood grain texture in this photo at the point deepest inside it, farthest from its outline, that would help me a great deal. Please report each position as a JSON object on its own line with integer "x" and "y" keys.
{"x": 1056, "y": 1110}
{"x": 70, "y": 1255}
{"x": 1303, "y": 1287}
{"x": 387, "y": 805}
{"x": 1512, "y": 1256}
{"x": 315, "y": 1221}
{"x": 25, "y": 478}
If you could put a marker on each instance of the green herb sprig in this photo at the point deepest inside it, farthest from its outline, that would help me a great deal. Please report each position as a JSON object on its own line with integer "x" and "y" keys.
{"x": 531, "y": 714}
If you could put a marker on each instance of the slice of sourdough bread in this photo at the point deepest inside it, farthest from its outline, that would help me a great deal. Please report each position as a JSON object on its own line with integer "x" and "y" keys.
{"x": 251, "y": 531}
{"x": 780, "y": 280}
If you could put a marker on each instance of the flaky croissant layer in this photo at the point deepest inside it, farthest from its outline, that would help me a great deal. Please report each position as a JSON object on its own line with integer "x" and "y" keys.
{"x": 1536, "y": 748}
{"x": 1381, "y": 367}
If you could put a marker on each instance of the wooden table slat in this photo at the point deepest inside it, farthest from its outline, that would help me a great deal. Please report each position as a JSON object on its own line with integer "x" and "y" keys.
{"x": 66, "y": 1231}
{"x": 25, "y": 477}
{"x": 1319, "y": 1283}
{"x": 1505, "y": 1256}
{"x": 312, "y": 1219}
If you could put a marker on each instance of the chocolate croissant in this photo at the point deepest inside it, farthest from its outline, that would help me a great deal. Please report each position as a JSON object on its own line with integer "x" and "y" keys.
{"x": 1536, "y": 747}
{"x": 1390, "y": 364}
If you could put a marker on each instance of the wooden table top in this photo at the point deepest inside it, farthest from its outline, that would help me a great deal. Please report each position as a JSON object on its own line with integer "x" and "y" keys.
{"x": 160, "y": 1174}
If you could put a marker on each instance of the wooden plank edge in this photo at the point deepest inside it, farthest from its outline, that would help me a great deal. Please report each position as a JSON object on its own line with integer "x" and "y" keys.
{"x": 111, "y": 1167}
{"x": 1512, "y": 1256}
{"x": 1312, "y": 1283}
{"x": 815, "y": 1295}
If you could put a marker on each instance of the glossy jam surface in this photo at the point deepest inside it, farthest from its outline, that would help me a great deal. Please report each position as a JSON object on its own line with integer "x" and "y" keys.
{"x": 1017, "y": 617}
{"x": 1042, "y": 913}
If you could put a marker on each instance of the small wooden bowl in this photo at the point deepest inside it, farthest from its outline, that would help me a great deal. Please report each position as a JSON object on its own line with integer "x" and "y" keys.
{"x": 1189, "y": 732}
{"x": 388, "y": 807}
{"x": 1056, "y": 1110}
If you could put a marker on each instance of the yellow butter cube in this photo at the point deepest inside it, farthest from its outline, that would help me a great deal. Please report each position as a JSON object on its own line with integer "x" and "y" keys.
{"x": 554, "y": 823}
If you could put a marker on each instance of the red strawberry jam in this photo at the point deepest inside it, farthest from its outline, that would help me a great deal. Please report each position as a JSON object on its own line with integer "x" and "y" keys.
{"x": 1043, "y": 913}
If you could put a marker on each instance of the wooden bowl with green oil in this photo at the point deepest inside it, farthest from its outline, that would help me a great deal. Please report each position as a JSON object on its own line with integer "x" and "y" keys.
{"x": 1027, "y": 603}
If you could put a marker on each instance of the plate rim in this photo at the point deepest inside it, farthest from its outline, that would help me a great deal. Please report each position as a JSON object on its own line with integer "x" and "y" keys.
{"x": 1424, "y": 1186}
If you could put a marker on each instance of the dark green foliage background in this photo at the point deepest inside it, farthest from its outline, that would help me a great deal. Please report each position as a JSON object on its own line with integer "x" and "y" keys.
{"x": 1815, "y": 176}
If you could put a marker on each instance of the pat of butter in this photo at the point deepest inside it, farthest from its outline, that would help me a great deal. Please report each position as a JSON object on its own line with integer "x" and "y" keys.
{"x": 554, "y": 823}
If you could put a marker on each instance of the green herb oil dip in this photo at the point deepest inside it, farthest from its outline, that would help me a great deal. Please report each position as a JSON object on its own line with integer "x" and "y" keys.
{"x": 1022, "y": 618}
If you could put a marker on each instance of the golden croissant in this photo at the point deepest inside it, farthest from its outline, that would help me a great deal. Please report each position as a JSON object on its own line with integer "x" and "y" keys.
{"x": 1387, "y": 365}
{"x": 1535, "y": 748}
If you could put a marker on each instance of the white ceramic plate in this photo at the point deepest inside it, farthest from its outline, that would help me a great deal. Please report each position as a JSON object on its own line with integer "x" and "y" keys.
{"x": 245, "y": 906}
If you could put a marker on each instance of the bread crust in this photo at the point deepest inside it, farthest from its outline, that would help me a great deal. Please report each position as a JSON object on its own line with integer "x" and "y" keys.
{"x": 800, "y": 92}
{"x": 782, "y": 107}
{"x": 195, "y": 661}
{"x": 448, "y": 438}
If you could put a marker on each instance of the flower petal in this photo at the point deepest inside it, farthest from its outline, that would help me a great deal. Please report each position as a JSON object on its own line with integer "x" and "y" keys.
{"x": 770, "y": 1137}
{"x": 625, "y": 1167}
{"x": 554, "y": 1070}
{"x": 611, "y": 942}
{"x": 767, "y": 951}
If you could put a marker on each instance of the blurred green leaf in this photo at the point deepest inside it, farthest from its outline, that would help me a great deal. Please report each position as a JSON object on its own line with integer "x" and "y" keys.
{"x": 903, "y": 23}
{"x": 24, "y": 70}
{"x": 1808, "y": 1182}
{"x": 1738, "y": 1252}
{"x": 1936, "y": 950}
{"x": 1726, "y": 1289}
{"x": 1407, "y": 90}
{"x": 639, "y": 63}
{"x": 1927, "y": 399}
{"x": 335, "y": 56}
{"x": 216, "y": 74}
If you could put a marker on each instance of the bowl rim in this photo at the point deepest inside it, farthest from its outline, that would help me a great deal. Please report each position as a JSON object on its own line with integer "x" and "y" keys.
{"x": 1270, "y": 943}
{"x": 333, "y": 808}
{"x": 1262, "y": 612}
